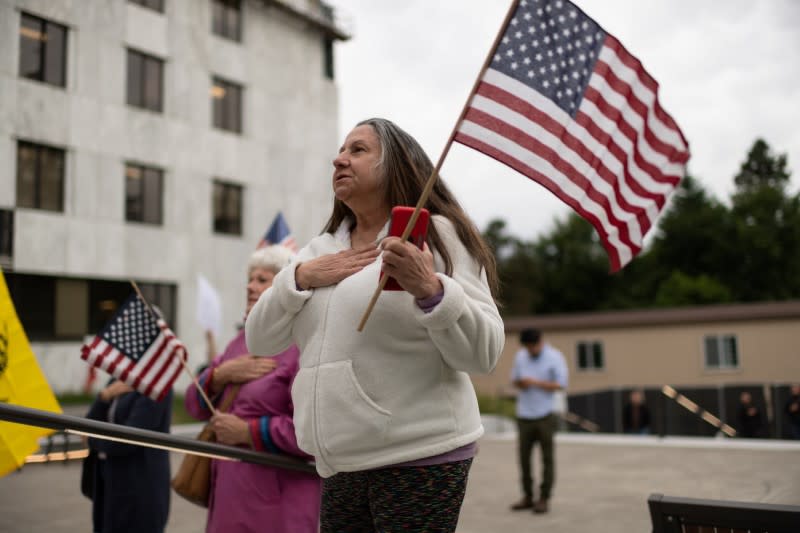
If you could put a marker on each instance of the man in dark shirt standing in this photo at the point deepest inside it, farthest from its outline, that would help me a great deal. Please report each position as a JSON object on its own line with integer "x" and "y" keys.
{"x": 792, "y": 410}
{"x": 751, "y": 423}
{"x": 636, "y": 415}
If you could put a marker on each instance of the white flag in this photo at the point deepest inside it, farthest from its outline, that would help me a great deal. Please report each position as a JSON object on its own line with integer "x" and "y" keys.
{"x": 209, "y": 307}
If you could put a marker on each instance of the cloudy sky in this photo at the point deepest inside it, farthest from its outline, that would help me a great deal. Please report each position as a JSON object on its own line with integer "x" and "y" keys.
{"x": 728, "y": 70}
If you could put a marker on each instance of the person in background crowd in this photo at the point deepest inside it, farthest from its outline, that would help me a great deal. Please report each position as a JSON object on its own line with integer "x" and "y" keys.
{"x": 246, "y": 497}
{"x": 636, "y": 415}
{"x": 539, "y": 371}
{"x": 792, "y": 410}
{"x": 751, "y": 422}
{"x": 389, "y": 413}
{"x": 130, "y": 490}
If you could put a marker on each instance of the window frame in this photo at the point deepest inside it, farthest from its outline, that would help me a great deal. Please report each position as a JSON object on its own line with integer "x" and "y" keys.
{"x": 41, "y": 74}
{"x": 222, "y": 117}
{"x": 219, "y": 221}
{"x": 592, "y": 348}
{"x": 38, "y": 177}
{"x": 165, "y": 297}
{"x": 36, "y": 299}
{"x": 723, "y": 356}
{"x": 328, "y": 65}
{"x": 227, "y": 21}
{"x": 136, "y": 94}
{"x": 155, "y": 5}
{"x": 6, "y": 237}
{"x": 146, "y": 170}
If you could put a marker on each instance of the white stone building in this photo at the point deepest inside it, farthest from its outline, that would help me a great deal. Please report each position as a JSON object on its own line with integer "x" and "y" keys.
{"x": 154, "y": 140}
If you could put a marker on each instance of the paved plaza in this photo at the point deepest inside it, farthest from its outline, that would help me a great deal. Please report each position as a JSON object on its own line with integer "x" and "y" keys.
{"x": 602, "y": 485}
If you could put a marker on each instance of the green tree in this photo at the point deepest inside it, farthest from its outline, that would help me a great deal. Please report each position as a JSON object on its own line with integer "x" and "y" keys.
{"x": 498, "y": 240}
{"x": 766, "y": 229}
{"x": 522, "y": 279}
{"x": 573, "y": 267}
{"x": 703, "y": 252}
{"x": 693, "y": 235}
{"x": 681, "y": 289}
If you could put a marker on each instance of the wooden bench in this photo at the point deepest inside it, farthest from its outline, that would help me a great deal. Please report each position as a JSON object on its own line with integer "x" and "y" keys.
{"x": 670, "y": 514}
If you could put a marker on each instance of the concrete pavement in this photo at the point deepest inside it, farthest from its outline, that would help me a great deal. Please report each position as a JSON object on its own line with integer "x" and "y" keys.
{"x": 602, "y": 485}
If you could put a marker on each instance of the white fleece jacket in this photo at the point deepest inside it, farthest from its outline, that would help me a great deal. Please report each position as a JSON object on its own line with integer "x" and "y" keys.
{"x": 399, "y": 390}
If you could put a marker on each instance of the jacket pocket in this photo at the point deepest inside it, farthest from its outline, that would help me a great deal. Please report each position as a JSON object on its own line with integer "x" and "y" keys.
{"x": 350, "y": 422}
{"x": 303, "y": 417}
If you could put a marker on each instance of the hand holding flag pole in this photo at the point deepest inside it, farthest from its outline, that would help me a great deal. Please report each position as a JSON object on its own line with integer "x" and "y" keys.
{"x": 182, "y": 359}
{"x": 426, "y": 192}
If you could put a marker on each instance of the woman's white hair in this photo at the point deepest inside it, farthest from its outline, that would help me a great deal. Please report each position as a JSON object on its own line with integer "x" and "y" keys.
{"x": 272, "y": 258}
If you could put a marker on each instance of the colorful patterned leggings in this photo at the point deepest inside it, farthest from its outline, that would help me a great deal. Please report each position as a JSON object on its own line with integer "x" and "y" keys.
{"x": 388, "y": 500}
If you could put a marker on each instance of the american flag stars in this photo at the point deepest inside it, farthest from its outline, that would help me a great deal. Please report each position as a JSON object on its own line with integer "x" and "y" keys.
{"x": 541, "y": 37}
{"x": 133, "y": 332}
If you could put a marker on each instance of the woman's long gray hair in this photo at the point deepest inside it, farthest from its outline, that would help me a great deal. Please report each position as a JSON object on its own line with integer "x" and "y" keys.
{"x": 405, "y": 168}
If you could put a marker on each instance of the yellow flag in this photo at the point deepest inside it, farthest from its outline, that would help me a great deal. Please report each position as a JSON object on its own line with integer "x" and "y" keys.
{"x": 21, "y": 383}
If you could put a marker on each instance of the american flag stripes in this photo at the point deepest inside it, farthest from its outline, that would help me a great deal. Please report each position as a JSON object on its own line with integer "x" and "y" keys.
{"x": 278, "y": 233}
{"x": 565, "y": 104}
{"x": 137, "y": 348}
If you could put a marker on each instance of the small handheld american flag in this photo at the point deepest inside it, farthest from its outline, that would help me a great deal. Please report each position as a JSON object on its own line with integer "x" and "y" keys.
{"x": 278, "y": 233}
{"x": 138, "y": 349}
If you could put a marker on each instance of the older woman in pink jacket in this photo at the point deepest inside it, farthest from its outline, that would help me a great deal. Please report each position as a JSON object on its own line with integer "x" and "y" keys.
{"x": 247, "y": 497}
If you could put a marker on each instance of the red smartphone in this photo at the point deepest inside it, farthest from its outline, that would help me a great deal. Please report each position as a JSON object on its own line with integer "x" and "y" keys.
{"x": 401, "y": 214}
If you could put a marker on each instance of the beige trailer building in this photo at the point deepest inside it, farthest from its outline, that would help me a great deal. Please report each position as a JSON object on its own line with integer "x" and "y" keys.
{"x": 695, "y": 347}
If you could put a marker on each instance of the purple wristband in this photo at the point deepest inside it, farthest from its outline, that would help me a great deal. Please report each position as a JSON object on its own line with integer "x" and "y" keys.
{"x": 428, "y": 304}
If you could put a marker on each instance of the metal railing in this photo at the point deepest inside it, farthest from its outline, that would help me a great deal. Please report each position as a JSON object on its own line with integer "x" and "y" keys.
{"x": 703, "y": 411}
{"x": 143, "y": 437}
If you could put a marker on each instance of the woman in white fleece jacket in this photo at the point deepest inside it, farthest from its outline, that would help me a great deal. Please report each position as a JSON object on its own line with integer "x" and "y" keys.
{"x": 389, "y": 414}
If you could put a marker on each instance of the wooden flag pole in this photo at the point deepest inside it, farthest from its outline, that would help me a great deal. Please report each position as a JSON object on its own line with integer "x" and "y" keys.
{"x": 426, "y": 192}
{"x": 182, "y": 359}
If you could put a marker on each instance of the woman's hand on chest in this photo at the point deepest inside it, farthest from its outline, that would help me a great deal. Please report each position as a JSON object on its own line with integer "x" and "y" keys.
{"x": 330, "y": 269}
{"x": 242, "y": 369}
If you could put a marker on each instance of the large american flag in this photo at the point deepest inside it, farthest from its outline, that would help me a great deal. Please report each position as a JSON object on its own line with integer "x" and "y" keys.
{"x": 565, "y": 104}
{"x": 278, "y": 233}
{"x": 137, "y": 348}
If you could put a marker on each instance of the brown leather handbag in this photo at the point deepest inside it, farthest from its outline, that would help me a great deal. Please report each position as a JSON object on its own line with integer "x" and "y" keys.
{"x": 193, "y": 479}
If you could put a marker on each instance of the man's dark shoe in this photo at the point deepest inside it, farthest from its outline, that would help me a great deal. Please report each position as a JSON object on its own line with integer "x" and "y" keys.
{"x": 540, "y": 507}
{"x": 524, "y": 503}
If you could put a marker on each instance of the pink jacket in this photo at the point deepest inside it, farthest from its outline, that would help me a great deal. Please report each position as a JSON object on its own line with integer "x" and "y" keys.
{"x": 247, "y": 497}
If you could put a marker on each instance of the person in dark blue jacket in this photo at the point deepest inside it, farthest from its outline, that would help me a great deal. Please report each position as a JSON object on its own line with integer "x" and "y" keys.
{"x": 131, "y": 484}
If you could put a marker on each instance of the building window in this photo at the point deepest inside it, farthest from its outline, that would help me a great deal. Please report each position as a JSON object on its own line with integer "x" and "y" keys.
{"x": 162, "y": 296}
{"x": 70, "y": 308}
{"x": 56, "y": 308}
{"x": 42, "y": 50}
{"x": 105, "y": 297}
{"x": 327, "y": 50}
{"x": 34, "y": 300}
{"x": 156, "y": 5}
{"x": 145, "y": 81}
{"x": 226, "y": 98}
{"x": 227, "y": 207}
{"x": 226, "y": 19}
{"x": 721, "y": 352}
{"x": 6, "y": 237}
{"x": 590, "y": 356}
{"x": 143, "y": 194}
{"x": 40, "y": 176}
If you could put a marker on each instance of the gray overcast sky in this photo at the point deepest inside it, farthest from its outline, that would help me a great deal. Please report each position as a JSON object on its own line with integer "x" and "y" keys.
{"x": 728, "y": 70}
